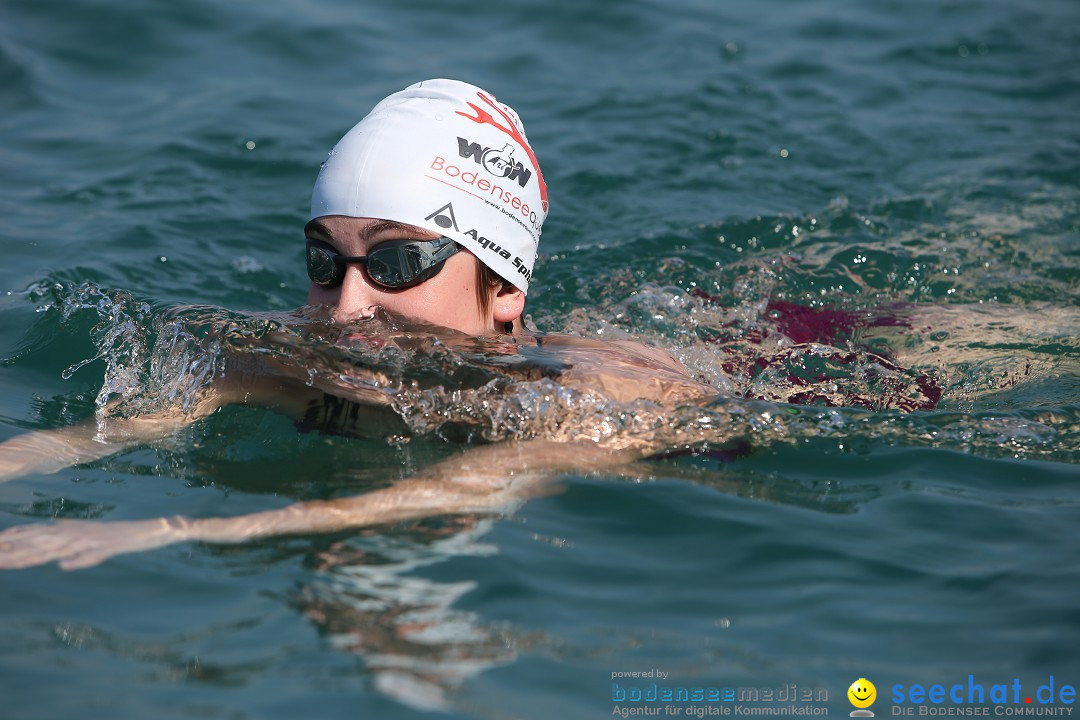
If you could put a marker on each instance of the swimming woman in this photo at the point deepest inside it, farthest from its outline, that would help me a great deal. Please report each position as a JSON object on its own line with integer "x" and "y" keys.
{"x": 429, "y": 210}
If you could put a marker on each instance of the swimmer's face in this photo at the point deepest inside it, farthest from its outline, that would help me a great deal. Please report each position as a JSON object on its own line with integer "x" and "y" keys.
{"x": 449, "y": 299}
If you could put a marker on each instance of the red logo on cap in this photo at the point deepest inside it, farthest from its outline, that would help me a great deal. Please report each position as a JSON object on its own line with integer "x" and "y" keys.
{"x": 483, "y": 117}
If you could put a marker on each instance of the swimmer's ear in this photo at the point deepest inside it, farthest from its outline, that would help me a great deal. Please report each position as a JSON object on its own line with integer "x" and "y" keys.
{"x": 508, "y": 304}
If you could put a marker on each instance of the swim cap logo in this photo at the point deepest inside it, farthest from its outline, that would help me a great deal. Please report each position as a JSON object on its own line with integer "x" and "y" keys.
{"x": 483, "y": 117}
{"x": 499, "y": 163}
{"x": 503, "y": 164}
{"x": 444, "y": 217}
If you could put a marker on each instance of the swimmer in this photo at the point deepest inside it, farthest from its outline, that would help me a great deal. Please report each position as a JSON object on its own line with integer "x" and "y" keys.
{"x": 427, "y": 212}
{"x": 430, "y": 209}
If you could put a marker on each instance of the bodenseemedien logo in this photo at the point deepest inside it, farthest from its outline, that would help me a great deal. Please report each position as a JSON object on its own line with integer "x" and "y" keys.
{"x": 862, "y": 694}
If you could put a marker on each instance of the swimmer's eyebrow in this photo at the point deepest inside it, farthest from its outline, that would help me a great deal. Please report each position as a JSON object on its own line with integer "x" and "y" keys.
{"x": 389, "y": 226}
{"x": 316, "y": 227}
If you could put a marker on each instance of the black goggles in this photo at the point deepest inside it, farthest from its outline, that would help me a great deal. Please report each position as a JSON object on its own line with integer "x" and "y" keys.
{"x": 392, "y": 264}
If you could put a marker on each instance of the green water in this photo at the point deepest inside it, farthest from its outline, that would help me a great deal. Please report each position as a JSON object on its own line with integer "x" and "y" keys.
{"x": 707, "y": 162}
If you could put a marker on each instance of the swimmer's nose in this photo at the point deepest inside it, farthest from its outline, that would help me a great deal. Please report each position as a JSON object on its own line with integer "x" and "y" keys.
{"x": 355, "y": 298}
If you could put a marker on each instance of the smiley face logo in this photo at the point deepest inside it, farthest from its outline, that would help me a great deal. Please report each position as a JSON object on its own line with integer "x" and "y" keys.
{"x": 862, "y": 693}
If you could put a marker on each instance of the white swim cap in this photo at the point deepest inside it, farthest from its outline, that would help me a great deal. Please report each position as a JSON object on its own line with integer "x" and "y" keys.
{"x": 446, "y": 156}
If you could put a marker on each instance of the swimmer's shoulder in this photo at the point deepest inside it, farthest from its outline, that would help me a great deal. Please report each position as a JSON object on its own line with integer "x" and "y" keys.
{"x": 652, "y": 354}
{"x": 630, "y": 349}
{"x": 624, "y": 370}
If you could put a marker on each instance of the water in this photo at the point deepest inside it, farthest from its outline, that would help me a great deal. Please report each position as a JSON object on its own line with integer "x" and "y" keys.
{"x": 906, "y": 171}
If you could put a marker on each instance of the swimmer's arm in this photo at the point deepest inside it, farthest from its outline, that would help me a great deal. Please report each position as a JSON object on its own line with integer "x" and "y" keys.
{"x": 654, "y": 354}
{"x": 49, "y": 451}
{"x": 492, "y": 478}
{"x": 626, "y": 370}
{"x": 355, "y": 402}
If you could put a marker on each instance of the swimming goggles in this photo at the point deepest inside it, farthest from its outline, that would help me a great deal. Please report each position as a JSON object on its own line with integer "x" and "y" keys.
{"x": 392, "y": 264}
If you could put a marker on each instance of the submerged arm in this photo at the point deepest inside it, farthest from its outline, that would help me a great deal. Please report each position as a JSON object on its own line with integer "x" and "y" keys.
{"x": 48, "y": 451}
{"x": 355, "y": 402}
{"x": 484, "y": 479}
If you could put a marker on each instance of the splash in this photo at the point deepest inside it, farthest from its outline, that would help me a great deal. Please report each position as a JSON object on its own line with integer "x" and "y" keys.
{"x": 155, "y": 359}
{"x": 453, "y": 388}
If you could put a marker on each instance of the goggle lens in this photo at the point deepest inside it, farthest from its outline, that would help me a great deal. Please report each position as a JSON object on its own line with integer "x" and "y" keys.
{"x": 321, "y": 267}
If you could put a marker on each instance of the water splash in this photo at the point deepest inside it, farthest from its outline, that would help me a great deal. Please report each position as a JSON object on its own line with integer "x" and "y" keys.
{"x": 154, "y": 359}
{"x": 775, "y": 384}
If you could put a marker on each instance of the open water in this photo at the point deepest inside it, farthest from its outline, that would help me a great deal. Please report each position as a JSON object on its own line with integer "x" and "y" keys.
{"x": 870, "y": 207}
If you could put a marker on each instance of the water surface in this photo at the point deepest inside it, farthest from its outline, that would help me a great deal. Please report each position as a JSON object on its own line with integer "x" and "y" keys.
{"x": 906, "y": 173}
